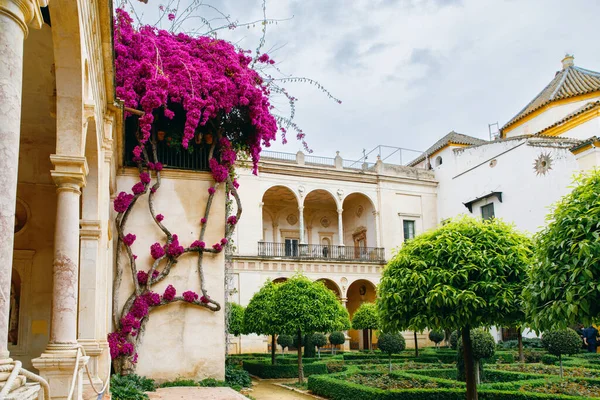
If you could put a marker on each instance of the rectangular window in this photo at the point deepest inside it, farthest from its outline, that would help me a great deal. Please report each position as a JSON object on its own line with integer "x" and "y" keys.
{"x": 291, "y": 247}
{"x": 487, "y": 211}
{"x": 409, "y": 229}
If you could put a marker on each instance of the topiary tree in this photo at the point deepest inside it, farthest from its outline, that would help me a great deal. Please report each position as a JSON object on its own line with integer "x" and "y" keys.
{"x": 454, "y": 339}
{"x": 391, "y": 343}
{"x": 366, "y": 318}
{"x": 436, "y": 337}
{"x": 235, "y": 319}
{"x": 484, "y": 346}
{"x": 565, "y": 341}
{"x": 466, "y": 273}
{"x": 319, "y": 340}
{"x": 285, "y": 341}
{"x": 307, "y": 306}
{"x": 336, "y": 338}
{"x": 260, "y": 316}
{"x": 563, "y": 289}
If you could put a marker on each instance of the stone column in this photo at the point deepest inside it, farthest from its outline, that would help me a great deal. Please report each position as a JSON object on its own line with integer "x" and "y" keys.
{"x": 58, "y": 361}
{"x": 377, "y": 233}
{"x": 340, "y": 227}
{"x": 262, "y": 229}
{"x": 301, "y": 224}
{"x": 347, "y": 342}
{"x": 15, "y": 16}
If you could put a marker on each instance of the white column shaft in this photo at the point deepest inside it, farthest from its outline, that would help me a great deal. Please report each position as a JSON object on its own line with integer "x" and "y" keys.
{"x": 340, "y": 227}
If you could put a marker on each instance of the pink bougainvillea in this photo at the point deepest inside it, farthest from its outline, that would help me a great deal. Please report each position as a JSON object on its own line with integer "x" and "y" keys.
{"x": 174, "y": 249}
{"x": 142, "y": 277}
{"x": 169, "y": 293}
{"x": 218, "y": 247}
{"x": 157, "y": 251}
{"x": 160, "y": 217}
{"x": 138, "y": 188}
{"x": 232, "y": 220}
{"x": 122, "y": 202}
{"x": 190, "y": 296}
{"x": 163, "y": 61}
{"x": 203, "y": 220}
{"x": 211, "y": 190}
{"x": 129, "y": 239}
{"x": 205, "y": 299}
{"x": 145, "y": 177}
{"x": 198, "y": 244}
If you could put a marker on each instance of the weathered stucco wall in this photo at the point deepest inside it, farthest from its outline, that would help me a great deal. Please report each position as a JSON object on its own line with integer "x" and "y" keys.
{"x": 181, "y": 340}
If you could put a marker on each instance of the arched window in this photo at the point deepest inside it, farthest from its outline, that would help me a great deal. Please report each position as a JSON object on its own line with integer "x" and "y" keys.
{"x": 438, "y": 161}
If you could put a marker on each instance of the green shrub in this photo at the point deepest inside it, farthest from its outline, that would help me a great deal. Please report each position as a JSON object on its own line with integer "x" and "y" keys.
{"x": 532, "y": 356}
{"x": 484, "y": 345}
{"x": 130, "y": 387}
{"x": 454, "y": 340}
{"x": 549, "y": 359}
{"x": 237, "y": 377}
{"x": 562, "y": 342}
{"x": 528, "y": 343}
{"x": 267, "y": 371}
{"x": 337, "y": 338}
{"x": 211, "y": 382}
{"x": 436, "y": 336}
{"x": 391, "y": 343}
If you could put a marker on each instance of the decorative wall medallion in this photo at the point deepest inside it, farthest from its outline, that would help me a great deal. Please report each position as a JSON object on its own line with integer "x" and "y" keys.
{"x": 325, "y": 222}
{"x": 543, "y": 164}
{"x": 359, "y": 211}
{"x": 292, "y": 219}
{"x": 340, "y": 194}
{"x": 301, "y": 190}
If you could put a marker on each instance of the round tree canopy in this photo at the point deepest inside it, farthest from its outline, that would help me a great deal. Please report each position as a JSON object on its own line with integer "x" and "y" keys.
{"x": 285, "y": 341}
{"x": 337, "y": 337}
{"x": 307, "y": 306}
{"x": 563, "y": 288}
{"x": 236, "y": 319}
{"x": 365, "y": 317}
{"x": 391, "y": 343}
{"x": 319, "y": 339}
{"x": 436, "y": 336}
{"x": 260, "y": 316}
{"x": 468, "y": 272}
{"x": 565, "y": 341}
{"x": 484, "y": 345}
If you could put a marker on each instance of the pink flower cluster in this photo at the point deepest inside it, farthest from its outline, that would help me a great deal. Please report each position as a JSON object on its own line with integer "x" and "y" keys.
{"x": 129, "y": 239}
{"x": 219, "y": 172}
{"x": 175, "y": 249}
{"x": 138, "y": 188}
{"x": 170, "y": 293}
{"x": 203, "y": 220}
{"x": 197, "y": 243}
{"x": 218, "y": 247}
{"x": 142, "y": 277}
{"x": 160, "y": 217}
{"x": 232, "y": 220}
{"x": 205, "y": 299}
{"x": 264, "y": 58}
{"x": 157, "y": 251}
{"x": 145, "y": 177}
{"x": 188, "y": 66}
{"x": 190, "y": 296}
{"x": 155, "y": 166}
{"x": 119, "y": 345}
{"x": 211, "y": 190}
{"x": 122, "y": 202}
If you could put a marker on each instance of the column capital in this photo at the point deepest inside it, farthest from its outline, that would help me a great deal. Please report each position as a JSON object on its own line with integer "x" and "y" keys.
{"x": 301, "y": 208}
{"x": 90, "y": 229}
{"x": 340, "y": 210}
{"x": 69, "y": 171}
{"x": 24, "y": 12}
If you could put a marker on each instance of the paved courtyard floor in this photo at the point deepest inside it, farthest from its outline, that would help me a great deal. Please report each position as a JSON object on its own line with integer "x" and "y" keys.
{"x": 268, "y": 390}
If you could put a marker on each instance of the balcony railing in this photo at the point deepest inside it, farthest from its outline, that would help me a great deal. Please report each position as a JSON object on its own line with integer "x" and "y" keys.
{"x": 320, "y": 252}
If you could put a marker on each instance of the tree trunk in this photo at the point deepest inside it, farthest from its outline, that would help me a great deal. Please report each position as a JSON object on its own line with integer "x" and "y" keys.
{"x": 561, "y": 367}
{"x": 273, "y": 349}
{"x": 469, "y": 363}
{"x": 390, "y": 362}
{"x": 416, "y": 345}
{"x": 300, "y": 371}
{"x": 477, "y": 376}
{"x": 370, "y": 341}
{"x": 319, "y": 352}
{"x": 520, "y": 339}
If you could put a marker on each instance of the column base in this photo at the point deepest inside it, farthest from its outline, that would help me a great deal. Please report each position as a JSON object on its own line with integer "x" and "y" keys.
{"x": 94, "y": 351}
{"x": 57, "y": 364}
{"x": 22, "y": 389}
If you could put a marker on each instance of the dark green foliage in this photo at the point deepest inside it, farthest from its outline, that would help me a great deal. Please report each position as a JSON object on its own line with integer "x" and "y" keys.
{"x": 237, "y": 377}
{"x": 309, "y": 346}
{"x": 235, "y": 323}
{"x": 563, "y": 288}
{"x": 561, "y": 342}
{"x": 549, "y": 359}
{"x": 484, "y": 345}
{"x": 365, "y": 317}
{"x": 319, "y": 339}
{"x": 179, "y": 383}
{"x": 337, "y": 338}
{"x": 211, "y": 382}
{"x": 130, "y": 387}
{"x": 454, "y": 339}
{"x": 533, "y": 356}
{"x": 278, "y": 371}
{"x": 259, "y": 316}
{"x": 436, "y": 336}
{"x": 285, "y": 341}
{"x": 391, "y": 343}
{"x": 528, "y": 343}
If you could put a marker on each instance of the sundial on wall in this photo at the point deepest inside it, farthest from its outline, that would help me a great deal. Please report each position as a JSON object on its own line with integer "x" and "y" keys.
{"x": 542, "y": 164}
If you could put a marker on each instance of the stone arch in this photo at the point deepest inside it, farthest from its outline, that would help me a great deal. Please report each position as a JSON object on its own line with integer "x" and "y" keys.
{"x": 360, "y": 223}
{"x": 280, "y": 214}
{"x": 331, "y": 285}
{"x": 355, "y": 297}
{"x": 68, "y": 63}
{"x": 316, "y": 192}
{"x": 320, "y": 214}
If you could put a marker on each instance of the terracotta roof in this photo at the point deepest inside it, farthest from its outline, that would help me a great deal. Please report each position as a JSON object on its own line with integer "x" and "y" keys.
{"x": 585, "y": 142}
{"x": 452, "y": 137}
{"x": 586, "y": 107}
{"x": 569, "y": 82}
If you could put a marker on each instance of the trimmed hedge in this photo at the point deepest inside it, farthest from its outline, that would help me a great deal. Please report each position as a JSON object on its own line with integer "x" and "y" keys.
{"x": 490, "y": 375}
{"x": 339, "y": 389}
{"x": 265, "y": 370}
{"x": 444, "y": 358}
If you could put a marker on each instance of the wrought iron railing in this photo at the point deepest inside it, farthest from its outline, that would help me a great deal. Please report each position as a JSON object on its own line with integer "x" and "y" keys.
{"x": 320, "y": 252}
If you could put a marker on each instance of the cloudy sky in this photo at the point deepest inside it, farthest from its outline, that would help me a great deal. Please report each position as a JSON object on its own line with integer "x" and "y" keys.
{"x": 410, "y": 71}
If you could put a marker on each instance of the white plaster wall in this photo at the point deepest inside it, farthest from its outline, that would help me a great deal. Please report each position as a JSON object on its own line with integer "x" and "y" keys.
{"x": 549, "y": 117}
{"x": 526, "y": 196}
{"x": 181, "y": 341}
{"x": 589, "y": 159}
